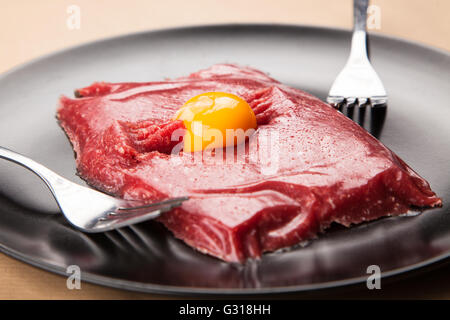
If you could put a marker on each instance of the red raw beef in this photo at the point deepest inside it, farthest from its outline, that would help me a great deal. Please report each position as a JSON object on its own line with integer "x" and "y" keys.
{"x": 329, "y": 169}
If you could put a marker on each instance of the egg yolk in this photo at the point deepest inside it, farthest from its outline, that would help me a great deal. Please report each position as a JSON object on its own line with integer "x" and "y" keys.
{"x": 215, "y": 120}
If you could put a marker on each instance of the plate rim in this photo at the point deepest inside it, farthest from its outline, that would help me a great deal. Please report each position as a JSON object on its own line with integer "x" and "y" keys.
{"x": 203, "y": 291}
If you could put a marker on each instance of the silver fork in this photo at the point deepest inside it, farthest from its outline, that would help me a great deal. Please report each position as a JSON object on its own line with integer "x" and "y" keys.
{"x": 90, "y": 210}
{"x": 358, "y": 83}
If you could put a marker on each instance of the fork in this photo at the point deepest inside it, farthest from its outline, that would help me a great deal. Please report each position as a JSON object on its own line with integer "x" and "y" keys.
{"x": 358, "y": 83}
{"x": 90, "y": 210}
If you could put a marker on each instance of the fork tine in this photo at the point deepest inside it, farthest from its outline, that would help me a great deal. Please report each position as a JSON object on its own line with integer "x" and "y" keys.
{"x": 127, "y": 216}
{"x": 349, "y": 110}
{"x": 144, "y": 210}
{"x": 352, "y": 103}
{"x": 351, "y": 100}
{"x": 361, "y": 114}
{"x": 362, "y": 102}
{"x": 335, "y": 101}
{"x": 378, "y": 101}
{"x": 377, "y": 118}
{"x": 103, "y": 224}
{"x": 337, "y": 104}
{"x": 170, "y": 202}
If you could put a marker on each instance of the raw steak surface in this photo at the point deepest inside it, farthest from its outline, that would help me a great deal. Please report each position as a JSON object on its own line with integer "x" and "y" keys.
{"x": 305, "y": 167}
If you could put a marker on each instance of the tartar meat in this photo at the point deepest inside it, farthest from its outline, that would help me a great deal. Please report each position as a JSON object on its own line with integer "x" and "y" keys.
{"x": 320, "y": 167}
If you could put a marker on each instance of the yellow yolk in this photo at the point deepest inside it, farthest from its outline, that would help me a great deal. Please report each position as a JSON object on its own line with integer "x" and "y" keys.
{"x": 215, "y": 120}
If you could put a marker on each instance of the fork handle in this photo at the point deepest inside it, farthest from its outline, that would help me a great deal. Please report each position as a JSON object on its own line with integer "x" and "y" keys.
{"x": 360, "y": 14}
{"x": 359, "y": 52}
{"x": 48, "y": 176}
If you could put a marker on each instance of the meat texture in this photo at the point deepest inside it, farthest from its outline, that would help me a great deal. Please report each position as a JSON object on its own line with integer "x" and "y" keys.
{"x": 305, "y": 167}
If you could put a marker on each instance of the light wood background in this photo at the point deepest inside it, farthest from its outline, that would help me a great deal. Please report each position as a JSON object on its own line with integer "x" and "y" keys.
{"x": 30, "y": 28}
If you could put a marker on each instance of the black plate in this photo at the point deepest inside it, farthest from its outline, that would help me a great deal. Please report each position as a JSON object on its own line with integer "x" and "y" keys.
{"x": 146, "y": 257}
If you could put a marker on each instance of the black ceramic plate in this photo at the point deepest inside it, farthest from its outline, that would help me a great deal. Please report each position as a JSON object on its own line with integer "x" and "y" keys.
{"x": 146, "y": 257}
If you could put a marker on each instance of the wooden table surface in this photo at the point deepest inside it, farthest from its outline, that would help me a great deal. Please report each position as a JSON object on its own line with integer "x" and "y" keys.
{"x": 29, "y": 29}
